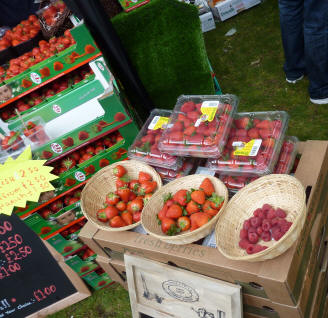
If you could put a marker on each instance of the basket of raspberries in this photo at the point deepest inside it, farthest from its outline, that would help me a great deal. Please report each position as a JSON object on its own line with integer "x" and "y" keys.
{"x": 263, "y": 219}
{"x": 186, "y": 209}
{"x": 115, "y": 197}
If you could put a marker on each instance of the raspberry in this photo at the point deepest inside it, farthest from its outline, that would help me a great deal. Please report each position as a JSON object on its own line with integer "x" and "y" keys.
{"x": 253, "y": 238}
{"x": 263, "y": 214}
{"x": 281, "y": 222}
{"x": 274, "y": 221}
{"x": 259, "y": 248}
{"x": 243, "y": 234}
{"x": 277, "y": 235}
{"x": 243, "y": 243}
{"x": 247, "y": 225}
{"x": 250, "y": 249}
{"x": 266, "y": 207}
{"x": 259, "y": 230}
{"x": 271, "y": 214}
{"x": 255, "y": 221}
{"x": 266, "y": 236}
{"x": 280, "y": 213}
{"x": 257, "y": 212}
{"x": 285, "y": 227}
{"x": 266, "y": 225}
{"x": 252, "y": 230}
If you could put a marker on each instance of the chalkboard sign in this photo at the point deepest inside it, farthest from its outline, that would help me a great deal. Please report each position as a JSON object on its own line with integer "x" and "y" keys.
{"x": 30, "y": 278}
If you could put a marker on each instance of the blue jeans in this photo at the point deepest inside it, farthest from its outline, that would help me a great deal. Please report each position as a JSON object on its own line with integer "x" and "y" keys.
{"x": 304, "y": 31}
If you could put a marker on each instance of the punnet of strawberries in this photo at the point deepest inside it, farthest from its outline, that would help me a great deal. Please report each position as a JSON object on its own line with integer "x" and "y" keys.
{"x": 189, "y": 209}
{"x": 199, "y": 126}
{"x": 145, "y": 145}
{"x": 265, "y": 225}
{"x": 283, "y": 166}
{"x": 254, "y": 144}
{"x": 124, "y": 206}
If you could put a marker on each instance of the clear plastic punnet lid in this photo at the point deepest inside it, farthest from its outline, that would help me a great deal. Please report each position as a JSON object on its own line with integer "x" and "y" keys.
{"x": 284, "y": 165}
{"x": 145, "y": 145}
{"x": 199, "y": 125}
{"x": 254, "y": 144}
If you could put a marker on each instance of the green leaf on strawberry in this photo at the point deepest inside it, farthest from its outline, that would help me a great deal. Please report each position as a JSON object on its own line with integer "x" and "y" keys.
{"x": 144, "y": 148}
{"x": 167, "y": 197}
{"x": 173, "y": 230}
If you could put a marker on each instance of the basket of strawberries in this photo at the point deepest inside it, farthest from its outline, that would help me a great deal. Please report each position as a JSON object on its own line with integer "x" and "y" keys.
{"x": 263, "y": 219}
{"x": 114, "y": 197}
{"x": 186, "y": 209}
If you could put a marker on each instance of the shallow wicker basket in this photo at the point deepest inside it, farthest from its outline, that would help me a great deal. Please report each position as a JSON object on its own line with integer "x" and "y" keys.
{"x": 155, "y": 204}
{"x": 280, "y": 191}
{"x": 94, "y": 193}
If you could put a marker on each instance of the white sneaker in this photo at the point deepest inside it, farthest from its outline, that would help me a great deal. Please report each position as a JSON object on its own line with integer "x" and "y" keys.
{"x": 295, "y": 80}
{"x": 320, "y": 101}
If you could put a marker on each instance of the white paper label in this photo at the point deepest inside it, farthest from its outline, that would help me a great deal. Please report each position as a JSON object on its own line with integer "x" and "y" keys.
{"x": 79, "y": 176}
{"x": 158, "y": 122}
{"x": 57, "y": 148}
{"x": 56, "y": 109}
{"x": 249, "y": 149}
{"x": 35, "y": 77}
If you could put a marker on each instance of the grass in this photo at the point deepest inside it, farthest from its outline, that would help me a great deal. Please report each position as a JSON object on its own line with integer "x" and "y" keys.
{"x": 249, "y": 65}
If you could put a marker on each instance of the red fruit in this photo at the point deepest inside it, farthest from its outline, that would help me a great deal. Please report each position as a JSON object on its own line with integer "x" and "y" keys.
{"x": 174, "y": 211}
{"x": 176, "y": 136}
{"x": 247, "y": 225}
{"x": 101, "y": 215}
{"x": 253, "y": 238}
{"x": 124, "y": 193}
{"x": 56, "y": 206}
{"x": 169, "y": 226}
{"x": 188, "y": 107}
{"x": 69, "y": 182}
{"x": 243, "y": 234}
{"x": 47, "y": 154}
{"x": 266, "y": 236}
{"x": 83, "y": 135}
{"x": 271, "y": 214}
{"x": 135, "y": 205}
{"x": 258, "y": 248}
{"x": 45, "y": 213}
{"x": 144, "y": 176}
{"x": 277, "y": 234}
{"x": 259, "y": 231}
{"x": 134, "y": 185}
{"x": 266, "y": 225}
{"x": 257, "y": 212}
{"x": 250, "y": 249}
{"x": 263, "y": 214}
{"x": 265, "y": 124}
{"x": 266, "y": 207}
{"x": 285, "y": 227}
{"x": 147, "y": 187}
{"x": 243, "y": 123}
{"x": 162, "y": 213}
{"x": 194, "y": 115}
{"x": 199, "y": 219}
{"x": 183, "y": 223}
{"x": 103, "y": 162}
{"x": 119, "y": 171}
{"x": 243, "y": 243}
{"x": 280, "y": 213}
{"x": 252, "y": 230}
{"x": 190, "y": 131}
{"x": 120, "y": 183}
{"x": 119, "y": 116}
{"x": 198, "y": 196}
{"x": 89, "y": 170}
{"x": 207, "y": 186}
{"x": 117, "y": 221}
{"x": 68, "y": 142}
{"x": 255, "y": 221}
{"x": 241, "y": 133}
{"x": 265, "y": 133}
{"x": 110, "y": 211}
{"x": 73, "y": 200}
{"x": 181, "y": 197}
{"x": 127, "y": 217}
{"x": 121, "y": 206}
{"x": 192, "y": 207}
{"x": 136, "y": 217}
{"x": 253, "y": 133}
{"x": 112, "y": 198}
{"x": 177, "y": 127}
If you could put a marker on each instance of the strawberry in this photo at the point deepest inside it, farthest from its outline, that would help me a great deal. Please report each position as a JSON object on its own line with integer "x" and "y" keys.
{"x": 134, "y": 185}
{"x": 182, "y": 197}
{"x": 265, "y": 124}
{"x": 191, "y": 130}
{"x": 135, "y": 205}
{"x": 99, "y": 149}
{"x": 162, "y": 213}
{"x": 144, "y": 176}
{"x": 127, "y": 217}
{"x": 192, "y": 207}
{"x": 136, "y": 217}
{"x": 243, "y": 123}
{"x": 174, "y": 211}
{"x": 216, "y": 201}
{"x": 253, "y": 133}
{"x": 56, "y": 206}
{"x": 112, "y": 198}
{"x": 121, "y": 206}
{"x": 268, "y": 142}
{"x": 83, "y": 135}
{"x": 124, "y": 193}
{"x": 183, "y": 223}
{"x": 188, "y": 107}
{"x": 47, "y": 154}
{"x": 176, "y": 136}
{"x": 110, "y": 211}
{"x": 132, "y": 196}
{"x": 147, "y": 187}
{"x": 122, "y": 182}
{"x": 68, "y": 142}
{"x": 177, "y": 127}
{"x": 265, "y": 133}
{"x": 89, "y": 170}
{"x": 198, "y": 196}
{"x": 68, "y": 163}
{"x": 117, "y": 221}
{"x": 194, "y": 115}
{"x": 241, "y": 133}
{"x": 103, "y": 162}
{"x": 101, "y": 215}
{"x": 169, "y": 226}
{"x": 119, "y": 171}
{"x": 69, "y": 182}
{"x": 207, "y": 186}
{"x": 198, "y": 219}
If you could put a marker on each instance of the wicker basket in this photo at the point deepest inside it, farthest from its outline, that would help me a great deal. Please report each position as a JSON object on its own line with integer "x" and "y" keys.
{"x": 278, "y": 190}
{"x": 149, "y": 220}
{"x": 94, "y": 193}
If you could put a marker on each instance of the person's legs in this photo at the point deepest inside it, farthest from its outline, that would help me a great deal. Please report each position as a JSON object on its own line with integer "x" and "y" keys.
{"x": 316, "y": 47}
{"x": 291, "y": 23}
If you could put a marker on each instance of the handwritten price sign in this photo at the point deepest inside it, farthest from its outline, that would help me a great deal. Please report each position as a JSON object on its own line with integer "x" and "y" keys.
{"x": 23, "y": 179}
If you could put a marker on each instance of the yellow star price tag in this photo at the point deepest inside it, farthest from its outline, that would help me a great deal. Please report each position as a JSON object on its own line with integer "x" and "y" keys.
{"x": 23, "y": 180}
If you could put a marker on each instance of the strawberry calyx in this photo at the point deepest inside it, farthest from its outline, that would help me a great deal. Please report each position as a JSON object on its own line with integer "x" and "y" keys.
{"x": 216, "y": 199}
{"x": 167, "y": 197}
{"x": 173, "y": 230}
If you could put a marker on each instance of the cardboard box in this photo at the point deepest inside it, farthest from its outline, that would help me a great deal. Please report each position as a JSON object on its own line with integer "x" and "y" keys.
{"x": 283, "y": 285}
{"x": 228, "y": 8}
{"x": 207, "y": 22}
{"x": 251, "y": 3}
{"x": 116, "y": 273}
